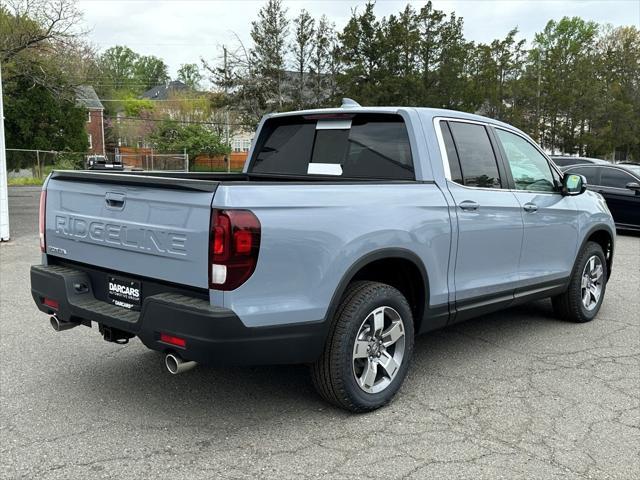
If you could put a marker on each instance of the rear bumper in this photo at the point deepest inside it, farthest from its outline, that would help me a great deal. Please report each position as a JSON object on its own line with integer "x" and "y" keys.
{"x": 213, "y": 335}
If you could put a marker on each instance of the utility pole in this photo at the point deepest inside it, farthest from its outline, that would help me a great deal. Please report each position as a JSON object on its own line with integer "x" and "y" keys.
{"x": 226, "y": 107}
{"x": 4, "y": 194}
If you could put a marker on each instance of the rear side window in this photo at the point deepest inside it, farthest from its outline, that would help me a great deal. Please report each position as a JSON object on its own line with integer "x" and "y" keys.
{"x": 612, "y": 177}
{"x": 361, "y": 146}
{"x": 477, "y": 159}
{"x": 590, "y": 173}
{"x": 452, "y": 155}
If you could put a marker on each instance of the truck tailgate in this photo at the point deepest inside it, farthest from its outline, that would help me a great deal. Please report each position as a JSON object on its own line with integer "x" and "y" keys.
{"x": 142, "y": 226}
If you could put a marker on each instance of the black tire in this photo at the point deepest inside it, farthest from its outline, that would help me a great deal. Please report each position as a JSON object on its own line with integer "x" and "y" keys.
{"x": 333, "y": 374}
{"x": 569, "y": 305}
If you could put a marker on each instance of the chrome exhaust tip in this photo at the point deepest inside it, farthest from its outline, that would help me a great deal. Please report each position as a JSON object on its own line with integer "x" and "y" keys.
{"x": 60, "y": 326}
{"x": 177, "y": 365}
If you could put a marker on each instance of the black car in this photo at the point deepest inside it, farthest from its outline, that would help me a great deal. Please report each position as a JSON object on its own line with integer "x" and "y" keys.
{"x": 101, "y": 162}
{"x": 565, "y": 161}
{"x": 619, "y": 185}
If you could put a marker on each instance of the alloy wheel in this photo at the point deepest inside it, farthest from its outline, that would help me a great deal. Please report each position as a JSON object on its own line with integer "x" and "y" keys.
{"x": 379, "y": 349}
{"x": 592, "y": 282}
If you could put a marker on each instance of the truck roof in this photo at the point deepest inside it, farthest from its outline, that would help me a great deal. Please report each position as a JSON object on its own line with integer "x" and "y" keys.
{"x": 425, "y": 113}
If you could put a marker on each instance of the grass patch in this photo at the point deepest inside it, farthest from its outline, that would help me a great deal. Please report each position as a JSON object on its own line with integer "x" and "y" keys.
{"x": 23, "y": 181}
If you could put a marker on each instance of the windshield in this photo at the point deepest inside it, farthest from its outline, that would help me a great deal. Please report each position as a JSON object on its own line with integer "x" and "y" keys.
{"x": 634, "y": 168}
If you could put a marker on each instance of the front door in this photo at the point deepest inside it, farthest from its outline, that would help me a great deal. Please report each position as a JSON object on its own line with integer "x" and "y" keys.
{"x": 550, "y": 219}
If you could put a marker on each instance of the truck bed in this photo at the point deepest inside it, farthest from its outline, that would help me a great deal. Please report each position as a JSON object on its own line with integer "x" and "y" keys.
{"x": 204, "y": 181}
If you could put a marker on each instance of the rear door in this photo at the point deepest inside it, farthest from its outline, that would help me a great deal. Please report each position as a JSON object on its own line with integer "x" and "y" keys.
{"x": 550, "y": 219}
{"x": 623, "y": 202}
{"x": 135, "y": 229}
{"x": 489, "y": 219}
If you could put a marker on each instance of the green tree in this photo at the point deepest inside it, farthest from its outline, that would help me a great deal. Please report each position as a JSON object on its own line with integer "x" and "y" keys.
{"x": 615, "y": 128}
{"x": 400, "y": 75}
{"x": 196, "y": 139}
{"x": 324, "y": 62}
{"x": 495, "y": 70}
{"x": 118, "y": 67}
{"x": 431, "y": 26}
{"x": 124, "y": 72}
{"x": 150, "y": 71}
{"x": 37, "y": 24}
{"x": 43, "y": 119}
{"x": 190, "y": 75}
{"x": 268, "y": 54}
{"x": 574, "y": 90}
{"x": 39, "y": 98}
{"x": 302, "y": 47}
{"x": 563, "y": 59}
{"x": 361, "y": 47}
{"x": 134, "y": 107}
{"x": 451, "y": 76}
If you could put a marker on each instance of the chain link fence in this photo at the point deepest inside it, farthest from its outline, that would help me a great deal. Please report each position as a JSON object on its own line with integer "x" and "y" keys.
{"x": 23, "y": 164}
{"x": 30, "y": 166}
{"x": 150, "y": 160}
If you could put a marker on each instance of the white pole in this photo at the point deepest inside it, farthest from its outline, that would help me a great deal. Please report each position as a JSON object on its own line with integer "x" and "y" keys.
{"x": 4, "y": 194}
{"x": 226, "y": 108}
{"x": 186, "y": 159}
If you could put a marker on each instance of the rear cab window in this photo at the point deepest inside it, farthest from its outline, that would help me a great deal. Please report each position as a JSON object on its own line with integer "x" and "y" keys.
{"x": 358, "y": 146}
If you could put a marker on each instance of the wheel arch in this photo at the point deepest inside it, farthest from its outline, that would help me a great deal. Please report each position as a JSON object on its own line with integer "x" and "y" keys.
{"x": 409, "y": 276}
{"x": 603, "y": 236}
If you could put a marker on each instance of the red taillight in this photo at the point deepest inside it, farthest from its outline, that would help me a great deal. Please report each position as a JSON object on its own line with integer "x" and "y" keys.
{"x": 41, "y": 216}
{"x": 51, "y": 303}
{"x": 242, "y": 241}
{"x": 234, "y": 246}
{"x": 220, "y": 234}
{"x": 171, "y": 340}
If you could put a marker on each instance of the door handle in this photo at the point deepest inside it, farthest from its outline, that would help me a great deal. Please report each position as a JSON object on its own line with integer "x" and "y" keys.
{"x": 469, "y": 205}
{"x": 530, "y": 207}
{"x": 114, "y": 200}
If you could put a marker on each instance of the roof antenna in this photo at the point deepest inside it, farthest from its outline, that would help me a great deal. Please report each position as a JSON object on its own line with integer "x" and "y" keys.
{"x": 349, "y": 103}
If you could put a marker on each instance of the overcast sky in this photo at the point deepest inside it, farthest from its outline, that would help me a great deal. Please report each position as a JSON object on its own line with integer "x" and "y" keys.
{"x": 183, "y": 31}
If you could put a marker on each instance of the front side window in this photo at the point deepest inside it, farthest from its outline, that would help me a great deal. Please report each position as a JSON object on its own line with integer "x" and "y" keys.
{"x": 612, "y": 177}
{"x": 475, "y": 153}
{"x": 362, "y": 146}
{"x": 529, "y": 168}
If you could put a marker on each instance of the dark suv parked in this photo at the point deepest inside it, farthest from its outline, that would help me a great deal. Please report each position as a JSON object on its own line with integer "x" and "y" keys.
{"x": 565, "y": 161}
{"x": 619, "y": 185}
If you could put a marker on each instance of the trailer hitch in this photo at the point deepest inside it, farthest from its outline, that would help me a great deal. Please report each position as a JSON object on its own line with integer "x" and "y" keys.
{"x": 114, "y": 335}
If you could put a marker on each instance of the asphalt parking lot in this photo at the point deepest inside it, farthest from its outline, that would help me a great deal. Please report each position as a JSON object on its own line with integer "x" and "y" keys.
{"x": 517, "y": 394}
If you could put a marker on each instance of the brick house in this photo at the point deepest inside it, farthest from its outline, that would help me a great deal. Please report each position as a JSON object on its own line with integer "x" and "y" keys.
{"x": 86, "y": 97}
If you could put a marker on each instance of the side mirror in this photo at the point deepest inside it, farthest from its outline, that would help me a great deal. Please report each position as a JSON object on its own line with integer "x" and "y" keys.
{"x": 573, "y": 184}
{"x": 635, "y": 186}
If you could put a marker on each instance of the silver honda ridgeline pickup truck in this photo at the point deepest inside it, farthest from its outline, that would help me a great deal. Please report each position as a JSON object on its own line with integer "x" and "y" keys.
{"x": 349, "y": 231}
